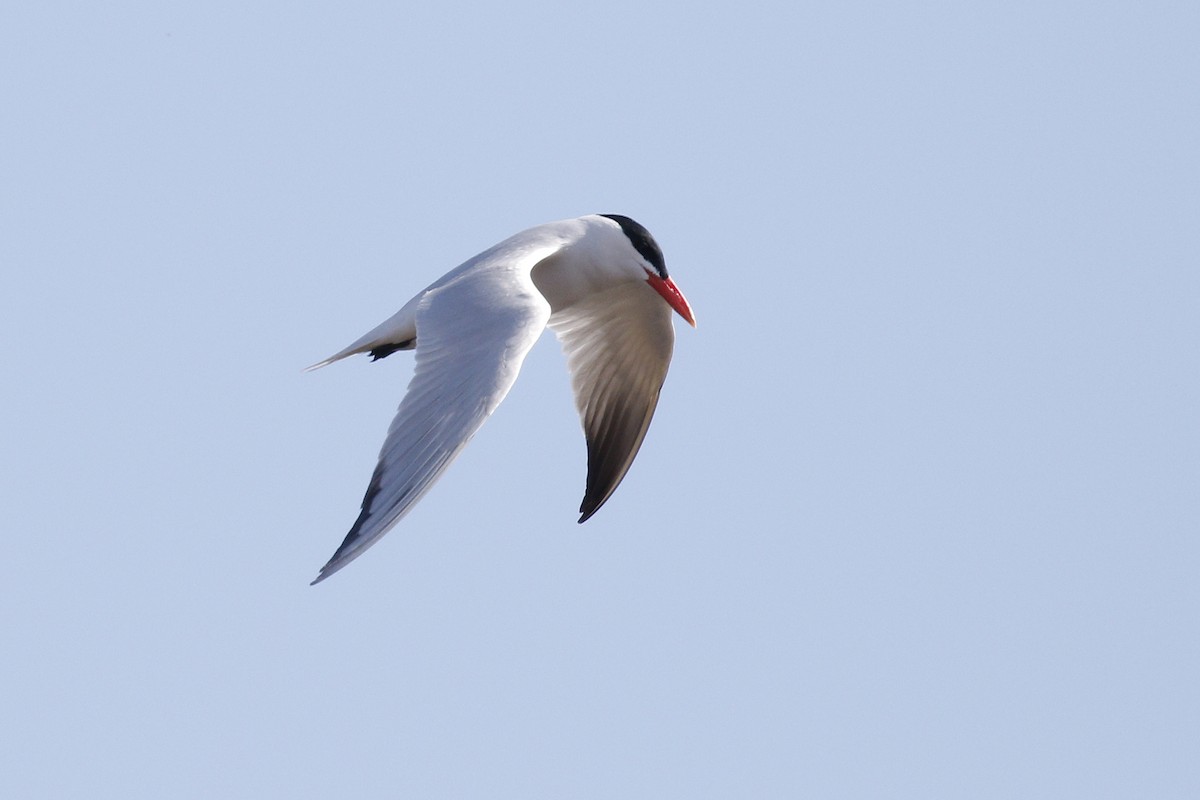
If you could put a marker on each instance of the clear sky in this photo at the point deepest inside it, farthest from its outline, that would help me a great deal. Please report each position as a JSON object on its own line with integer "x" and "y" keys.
{"x": 918, "y": 516}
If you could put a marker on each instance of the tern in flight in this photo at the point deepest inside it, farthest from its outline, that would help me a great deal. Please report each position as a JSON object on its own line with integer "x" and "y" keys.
{"x": 598, "y": 281}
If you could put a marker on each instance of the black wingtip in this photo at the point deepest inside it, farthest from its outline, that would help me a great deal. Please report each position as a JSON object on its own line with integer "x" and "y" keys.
{"x": 385, "y": 350}
{"x": 324, "y": 572}
{"x": 590, "y": 506}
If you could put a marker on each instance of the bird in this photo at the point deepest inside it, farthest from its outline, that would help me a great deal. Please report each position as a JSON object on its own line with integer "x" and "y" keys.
{"x": 598, "y": 281}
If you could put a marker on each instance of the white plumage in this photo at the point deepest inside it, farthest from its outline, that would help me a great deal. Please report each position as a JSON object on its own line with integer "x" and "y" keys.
{"x": 599, "y": 282}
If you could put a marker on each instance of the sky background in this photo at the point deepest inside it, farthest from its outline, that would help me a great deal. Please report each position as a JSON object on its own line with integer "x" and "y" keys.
{"x": 918, "y": 516}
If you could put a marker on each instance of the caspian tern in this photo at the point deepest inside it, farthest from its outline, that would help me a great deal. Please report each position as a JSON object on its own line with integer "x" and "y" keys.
{"x": 598, "y": 281}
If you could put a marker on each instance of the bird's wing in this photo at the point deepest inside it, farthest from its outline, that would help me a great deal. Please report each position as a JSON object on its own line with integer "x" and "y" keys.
{"x": 618, "y": 345}
{"x": 473, "y": 333}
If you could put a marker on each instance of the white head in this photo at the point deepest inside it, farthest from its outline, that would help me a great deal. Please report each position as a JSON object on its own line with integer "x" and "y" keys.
{"x": 654, "y": 265}
{"x": 601, "y": 251}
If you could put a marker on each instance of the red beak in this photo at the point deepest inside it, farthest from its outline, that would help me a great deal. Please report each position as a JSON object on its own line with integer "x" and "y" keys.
{"x": 675, "y": 299}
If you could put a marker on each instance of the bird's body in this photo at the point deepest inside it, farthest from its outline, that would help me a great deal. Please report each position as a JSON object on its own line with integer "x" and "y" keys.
{"x": 598, "y": 281}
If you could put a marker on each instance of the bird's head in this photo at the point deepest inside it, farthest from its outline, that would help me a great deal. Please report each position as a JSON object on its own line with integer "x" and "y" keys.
{"x": 650, "y": 259}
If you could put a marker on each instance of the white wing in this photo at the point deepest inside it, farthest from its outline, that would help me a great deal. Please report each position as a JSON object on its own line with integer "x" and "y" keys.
{"x": 618, "y": 345}
{"x": 474, "y": 330}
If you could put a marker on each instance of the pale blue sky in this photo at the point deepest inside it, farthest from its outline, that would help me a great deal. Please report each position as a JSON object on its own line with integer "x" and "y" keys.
{"x": 918, "y": 515}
